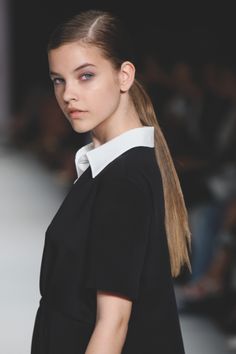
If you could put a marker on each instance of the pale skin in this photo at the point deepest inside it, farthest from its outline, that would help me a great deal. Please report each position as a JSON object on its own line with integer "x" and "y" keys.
{"x": 95, "y": 98}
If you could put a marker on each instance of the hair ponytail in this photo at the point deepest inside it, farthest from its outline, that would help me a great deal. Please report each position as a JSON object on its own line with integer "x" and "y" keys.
{"x": 176, "y": 217}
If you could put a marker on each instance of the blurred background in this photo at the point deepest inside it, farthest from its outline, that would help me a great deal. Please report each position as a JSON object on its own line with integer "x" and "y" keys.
{"x": 186, "y": 59}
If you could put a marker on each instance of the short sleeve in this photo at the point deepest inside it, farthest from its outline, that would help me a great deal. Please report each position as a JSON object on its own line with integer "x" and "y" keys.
{"x": 118, "y": 238}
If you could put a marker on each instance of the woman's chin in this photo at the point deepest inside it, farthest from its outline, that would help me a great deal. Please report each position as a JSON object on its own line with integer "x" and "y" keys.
{"x": 80, "y": 128}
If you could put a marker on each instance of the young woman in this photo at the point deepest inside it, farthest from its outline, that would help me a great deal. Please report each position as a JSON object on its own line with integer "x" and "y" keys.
{"x": 122, "y": 231}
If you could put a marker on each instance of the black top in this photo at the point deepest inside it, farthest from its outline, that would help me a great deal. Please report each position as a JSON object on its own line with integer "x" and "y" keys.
{"x": 109, "y": 235}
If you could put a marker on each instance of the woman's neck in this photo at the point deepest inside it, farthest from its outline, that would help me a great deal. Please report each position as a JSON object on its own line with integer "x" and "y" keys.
{"x": 117, "y": 124}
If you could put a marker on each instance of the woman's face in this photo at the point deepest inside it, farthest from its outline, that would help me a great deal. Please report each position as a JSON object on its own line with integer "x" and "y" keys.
{"x": 86, "y": 85}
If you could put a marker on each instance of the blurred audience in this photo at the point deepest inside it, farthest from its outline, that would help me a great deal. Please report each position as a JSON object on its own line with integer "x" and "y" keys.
{"x": 197, "y": 113}
{"x": 196, "y": 108}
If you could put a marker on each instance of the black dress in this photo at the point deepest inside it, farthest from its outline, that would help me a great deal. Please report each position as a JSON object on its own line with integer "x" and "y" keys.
{"x": 109, "y": 234}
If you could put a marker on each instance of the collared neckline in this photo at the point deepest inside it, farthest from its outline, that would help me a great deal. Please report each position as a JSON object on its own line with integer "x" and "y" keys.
{"x": 98, "y": 158}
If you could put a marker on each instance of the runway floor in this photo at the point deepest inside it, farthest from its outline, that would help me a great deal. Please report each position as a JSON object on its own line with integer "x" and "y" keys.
{"x": 30, "y": 195}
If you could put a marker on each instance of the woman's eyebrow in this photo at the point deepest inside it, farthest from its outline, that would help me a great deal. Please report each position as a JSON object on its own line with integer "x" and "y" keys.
{"x": 76, "y": 69}
{"x": 83, "y": 66}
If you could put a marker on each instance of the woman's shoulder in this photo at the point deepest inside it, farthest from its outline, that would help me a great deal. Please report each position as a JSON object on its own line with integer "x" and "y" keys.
{"x": 134, "y": 167}
{"x": 130, "y": 161}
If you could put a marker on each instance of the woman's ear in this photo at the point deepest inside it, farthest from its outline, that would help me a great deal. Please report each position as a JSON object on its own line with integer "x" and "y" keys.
{"x": 126, "y": 75}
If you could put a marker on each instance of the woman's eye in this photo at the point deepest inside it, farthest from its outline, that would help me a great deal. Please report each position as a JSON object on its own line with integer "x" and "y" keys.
{"x": 57, "y": 81}
{"x": 86, "y": 76}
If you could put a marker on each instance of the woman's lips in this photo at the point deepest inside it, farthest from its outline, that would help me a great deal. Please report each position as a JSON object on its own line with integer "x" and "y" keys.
{"x": 75, "y": 114}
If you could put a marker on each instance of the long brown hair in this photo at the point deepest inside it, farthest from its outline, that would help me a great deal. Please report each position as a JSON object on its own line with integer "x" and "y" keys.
{"x": 106, "y": 32}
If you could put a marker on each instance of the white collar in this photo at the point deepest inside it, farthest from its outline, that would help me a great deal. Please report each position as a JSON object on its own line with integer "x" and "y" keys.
{"x": 98, "y": 158}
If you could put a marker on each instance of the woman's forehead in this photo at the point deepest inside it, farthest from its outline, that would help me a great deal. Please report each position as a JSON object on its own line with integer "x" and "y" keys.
{"x": 75, "y": 55}
{"x": 76, "y": 49}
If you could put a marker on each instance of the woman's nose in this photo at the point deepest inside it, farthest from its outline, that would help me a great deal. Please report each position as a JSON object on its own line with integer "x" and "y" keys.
{"x": 70, "y": 93}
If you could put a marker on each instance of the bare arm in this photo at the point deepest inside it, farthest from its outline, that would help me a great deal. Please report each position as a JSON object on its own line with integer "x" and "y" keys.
{"x": 113, "y": 313}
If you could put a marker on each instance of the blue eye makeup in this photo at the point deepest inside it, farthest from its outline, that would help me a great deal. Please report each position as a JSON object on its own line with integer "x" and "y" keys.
{"x": 57, "y": 81}
{"x": 83, "y": 77}
{"x": 86, "y": 76}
